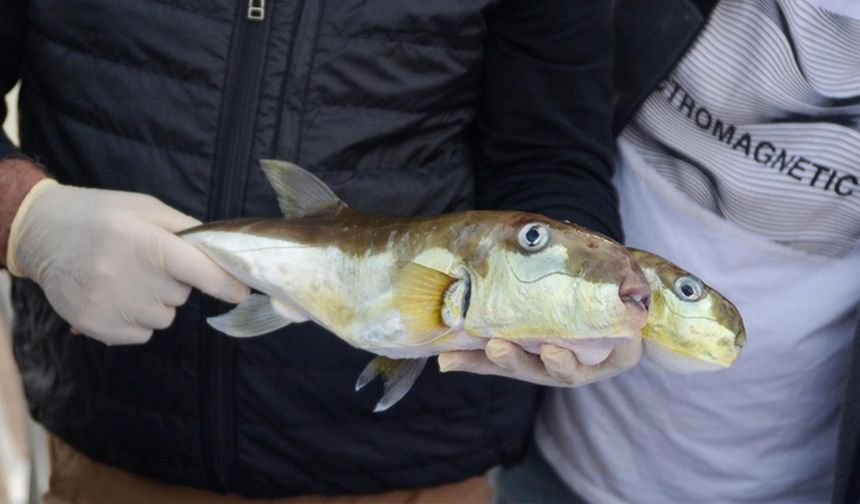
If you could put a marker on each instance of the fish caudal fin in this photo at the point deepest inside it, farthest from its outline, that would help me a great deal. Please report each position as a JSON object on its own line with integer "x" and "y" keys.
{"x": 398, "y": 376}
{"x": 254, "y": 316}
{"x": 420, "y": 297}
{"x": 300, "y": 193}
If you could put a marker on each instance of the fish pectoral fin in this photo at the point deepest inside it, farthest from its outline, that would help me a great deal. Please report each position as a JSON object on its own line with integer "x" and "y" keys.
{"x": 289, "y": 311}
{"x": 253, "y": 317}
{"x": 398, "y": 376}
{"x": 300, "y": 193}
{"x": 419, "y": 297}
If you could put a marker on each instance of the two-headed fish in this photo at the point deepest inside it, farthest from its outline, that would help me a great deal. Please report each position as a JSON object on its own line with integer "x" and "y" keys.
{"x": 407, "y": 288}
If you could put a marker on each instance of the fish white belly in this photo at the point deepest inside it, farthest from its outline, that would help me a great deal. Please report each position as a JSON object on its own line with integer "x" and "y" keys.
{"x": 349, "y": 295}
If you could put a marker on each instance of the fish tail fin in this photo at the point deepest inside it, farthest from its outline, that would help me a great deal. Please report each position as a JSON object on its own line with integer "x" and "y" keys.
{"x": 398, "y": 376}
{"x": 256, "y": 315}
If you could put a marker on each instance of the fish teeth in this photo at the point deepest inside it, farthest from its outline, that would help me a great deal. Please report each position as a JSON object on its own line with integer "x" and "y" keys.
{"x": 643, "y": 301}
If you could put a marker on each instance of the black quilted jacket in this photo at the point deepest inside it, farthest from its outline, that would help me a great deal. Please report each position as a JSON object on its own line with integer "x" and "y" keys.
{"x": 402, "y": 106}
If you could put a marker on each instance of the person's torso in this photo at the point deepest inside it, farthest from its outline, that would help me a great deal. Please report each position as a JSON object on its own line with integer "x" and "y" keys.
{"x": 179, "y": 99}
{"x": 741, "y": 168}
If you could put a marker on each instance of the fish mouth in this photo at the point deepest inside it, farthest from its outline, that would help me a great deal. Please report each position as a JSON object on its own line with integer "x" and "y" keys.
{"x": 740, "y": 339}
{"x": 638, "y": 301}
{"x": 635, "y": 293}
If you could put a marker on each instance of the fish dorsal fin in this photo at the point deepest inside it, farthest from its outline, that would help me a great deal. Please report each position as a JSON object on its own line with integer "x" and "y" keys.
{"x": 300, "y": 192}
{"x": 420, "y": 297}
{"x": 398, "y": 375}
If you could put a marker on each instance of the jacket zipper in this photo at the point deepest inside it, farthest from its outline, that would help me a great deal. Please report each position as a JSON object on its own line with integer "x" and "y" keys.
{"x": 257, "y": 10}
{"x": 235, "y": 141}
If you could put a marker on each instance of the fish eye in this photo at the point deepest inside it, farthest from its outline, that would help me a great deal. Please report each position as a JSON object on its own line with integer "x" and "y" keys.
{"x": 689, "y": 288}
{"x": 533, "y": 236}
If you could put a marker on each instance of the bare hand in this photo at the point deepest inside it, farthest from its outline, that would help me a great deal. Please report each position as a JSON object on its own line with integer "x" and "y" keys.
{"x": 555, "y": 366}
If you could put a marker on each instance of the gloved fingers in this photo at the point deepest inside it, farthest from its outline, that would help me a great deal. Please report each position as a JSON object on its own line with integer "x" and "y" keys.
{"x": 132, "y": 323}
{"x": 118, "y": 334}
{"x": 128, "y": 335}
{"x": 171, "y": 293}
{"x": 155, "y": 317}
{"x": 192, "y": 267}
{"x": 160, "y": 289}
{"x": 165, "y": 216}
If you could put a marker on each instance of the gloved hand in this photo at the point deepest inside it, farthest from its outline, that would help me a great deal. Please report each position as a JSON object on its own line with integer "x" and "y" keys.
{"x": 555, "y": 367}
{"x": 109, "y": 262}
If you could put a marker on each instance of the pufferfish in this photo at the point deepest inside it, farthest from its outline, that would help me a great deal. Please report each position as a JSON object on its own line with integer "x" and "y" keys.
{"x": 408, "y": 288}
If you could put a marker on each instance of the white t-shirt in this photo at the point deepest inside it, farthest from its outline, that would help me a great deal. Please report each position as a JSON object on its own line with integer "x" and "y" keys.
{"x": 744, "y": 168}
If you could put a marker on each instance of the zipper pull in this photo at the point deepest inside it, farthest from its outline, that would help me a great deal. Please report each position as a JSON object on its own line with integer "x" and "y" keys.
{"x": 256, "y": 10}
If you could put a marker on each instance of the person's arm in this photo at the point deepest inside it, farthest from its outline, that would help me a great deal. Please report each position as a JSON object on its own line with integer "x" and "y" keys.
{"x": 545, "y": 124}
{"x": 17, "y": 176}
{"x": 546, "y": 146}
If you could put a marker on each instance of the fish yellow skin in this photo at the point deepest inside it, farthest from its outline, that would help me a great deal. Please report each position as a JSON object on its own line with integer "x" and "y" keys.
{"x": 688, "y": 333}
{"x": 345, "y": 273}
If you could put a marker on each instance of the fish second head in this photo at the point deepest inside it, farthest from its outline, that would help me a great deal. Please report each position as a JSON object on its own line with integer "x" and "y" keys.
{"x": 691, "y": 327}
{"x": 536, "y": 280}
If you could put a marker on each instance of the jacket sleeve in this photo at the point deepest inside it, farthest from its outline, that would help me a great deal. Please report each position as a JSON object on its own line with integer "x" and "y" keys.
{"x": 12, "y": 29}
{"x": 545, "y": 121}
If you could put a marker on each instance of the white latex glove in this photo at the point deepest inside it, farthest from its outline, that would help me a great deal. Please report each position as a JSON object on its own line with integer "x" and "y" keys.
{"x": 109, "y": 262}
{"x": 555, "y": 367}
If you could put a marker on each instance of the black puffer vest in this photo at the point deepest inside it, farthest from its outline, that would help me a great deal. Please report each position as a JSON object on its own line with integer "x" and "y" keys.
{"x": 377, "y": 98}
